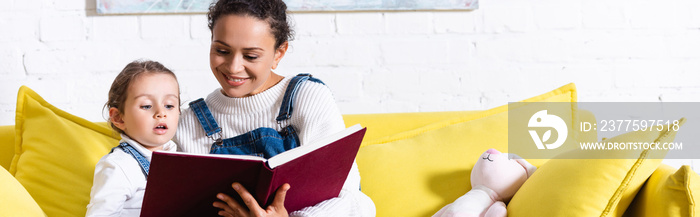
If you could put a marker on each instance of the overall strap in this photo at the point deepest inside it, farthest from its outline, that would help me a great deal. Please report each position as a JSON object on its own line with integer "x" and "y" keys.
{"x": 143, "y": 162}
{"x": 289, "y": 95}
{"x": 201, "y": 110}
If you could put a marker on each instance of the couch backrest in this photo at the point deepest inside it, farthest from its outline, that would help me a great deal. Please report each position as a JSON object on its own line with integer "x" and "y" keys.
{"x": 381, "y": 125}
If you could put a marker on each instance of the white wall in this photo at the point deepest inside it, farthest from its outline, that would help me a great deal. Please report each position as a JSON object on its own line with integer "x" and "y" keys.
{"x": 507, "y": 50}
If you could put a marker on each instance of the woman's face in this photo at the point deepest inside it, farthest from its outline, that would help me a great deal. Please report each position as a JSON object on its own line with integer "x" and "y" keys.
{"x": 243, "y": 55}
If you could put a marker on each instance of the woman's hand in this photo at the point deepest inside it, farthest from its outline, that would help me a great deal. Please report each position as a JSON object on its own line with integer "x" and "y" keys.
{"x": 231, "y": 208}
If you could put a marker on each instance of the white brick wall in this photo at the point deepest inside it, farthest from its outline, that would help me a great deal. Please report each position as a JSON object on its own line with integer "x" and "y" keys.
{"x": 507, "y": 50}
{"x": 114, "y": 28}
{"x": 62, "y": 27}
{"x": 360, "y": 23}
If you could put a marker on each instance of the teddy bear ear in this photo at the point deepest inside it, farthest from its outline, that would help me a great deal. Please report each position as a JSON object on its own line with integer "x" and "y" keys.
{"x": 529, "y": 168}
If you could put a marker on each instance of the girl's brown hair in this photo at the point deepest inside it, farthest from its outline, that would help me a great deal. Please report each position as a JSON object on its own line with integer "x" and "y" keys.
{"x": 120, "y": 85}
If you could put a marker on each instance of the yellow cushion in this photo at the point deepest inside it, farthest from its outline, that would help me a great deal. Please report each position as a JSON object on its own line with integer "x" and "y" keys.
{"x": 668, "y": 192}
{"x": 416, "y": 172}
{"x": 56, "y": 153}
{"x": 567, "y": 186}
{"x": 14, "y": 199}
{"x": 7, "y": 145}
{"x": 383, "y": 125}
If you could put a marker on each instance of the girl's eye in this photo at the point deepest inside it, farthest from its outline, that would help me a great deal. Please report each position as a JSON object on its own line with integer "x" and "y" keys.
{"x": 169, "y": 106}
{"x": 145, "y": 107}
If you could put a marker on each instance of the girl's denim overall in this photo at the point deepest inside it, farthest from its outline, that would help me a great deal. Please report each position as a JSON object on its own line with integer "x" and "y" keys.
{"x": 264, "y": 142}
{"x": 143, "y": 162}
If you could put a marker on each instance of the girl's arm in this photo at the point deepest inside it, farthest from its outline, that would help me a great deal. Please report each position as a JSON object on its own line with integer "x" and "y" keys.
{"x": 110, "y": 189}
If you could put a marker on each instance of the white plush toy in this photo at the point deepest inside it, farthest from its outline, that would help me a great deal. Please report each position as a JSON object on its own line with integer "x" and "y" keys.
{"x": 495, "y": 178}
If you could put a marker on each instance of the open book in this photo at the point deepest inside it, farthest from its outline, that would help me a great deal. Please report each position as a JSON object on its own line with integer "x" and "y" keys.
{"x": 183, "y": 184}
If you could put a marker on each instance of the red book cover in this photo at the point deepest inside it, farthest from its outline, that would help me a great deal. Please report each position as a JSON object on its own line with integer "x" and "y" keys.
{"x": 183, "y": 184}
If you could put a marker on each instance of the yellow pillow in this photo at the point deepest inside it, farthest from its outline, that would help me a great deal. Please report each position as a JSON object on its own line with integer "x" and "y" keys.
{"x": 386, "y": 124}
{"x": 416, "y": 172}
{"x": 7, "y": 145}
{"x": 668, "y": 192}
{"x": 567, "y": 186}
{"x": 14, "y": 199}
{"x": 56, "y": 153}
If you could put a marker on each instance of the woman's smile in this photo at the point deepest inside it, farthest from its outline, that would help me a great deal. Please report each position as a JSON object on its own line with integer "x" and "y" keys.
{"x": 234, "y": 80}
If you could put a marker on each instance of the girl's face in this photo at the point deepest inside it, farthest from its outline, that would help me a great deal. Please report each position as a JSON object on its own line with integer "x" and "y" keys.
{"x": 151, "y": 110}
{"x": 243, "y": 54}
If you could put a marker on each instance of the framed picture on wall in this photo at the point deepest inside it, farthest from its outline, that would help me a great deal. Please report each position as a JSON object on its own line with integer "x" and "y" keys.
{"x": 201, "y": 6}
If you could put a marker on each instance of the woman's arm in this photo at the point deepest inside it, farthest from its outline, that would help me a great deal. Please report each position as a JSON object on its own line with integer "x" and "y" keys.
{"x": 320, "y": 117}
{"x": 350, "y": 202}
{"x": 229, "y": 206}
{"x": 316, "y": 116}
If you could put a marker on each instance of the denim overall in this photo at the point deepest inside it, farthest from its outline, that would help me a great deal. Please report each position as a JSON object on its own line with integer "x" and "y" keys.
{"x": 143, "y": 162}
{"x": 263, "y": 142}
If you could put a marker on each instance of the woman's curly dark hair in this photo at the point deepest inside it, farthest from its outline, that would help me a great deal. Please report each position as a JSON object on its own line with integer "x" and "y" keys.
{"x": 272, "y": 11}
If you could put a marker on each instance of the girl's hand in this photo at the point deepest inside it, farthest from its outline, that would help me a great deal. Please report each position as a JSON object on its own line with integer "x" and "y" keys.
{"x": 231, "y": 208}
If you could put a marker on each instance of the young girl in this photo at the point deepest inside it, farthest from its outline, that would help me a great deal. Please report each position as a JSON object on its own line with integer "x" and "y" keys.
{"x": 249, "y": 39}
{"x": 144, "y": 107}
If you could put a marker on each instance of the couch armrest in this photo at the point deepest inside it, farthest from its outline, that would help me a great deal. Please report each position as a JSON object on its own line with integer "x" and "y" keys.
{"x": 15, "y": 200}
{"x": 7, "y": 145}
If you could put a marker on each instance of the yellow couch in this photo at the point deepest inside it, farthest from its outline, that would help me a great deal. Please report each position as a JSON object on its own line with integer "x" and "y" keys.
{"x": 411, "y": 164}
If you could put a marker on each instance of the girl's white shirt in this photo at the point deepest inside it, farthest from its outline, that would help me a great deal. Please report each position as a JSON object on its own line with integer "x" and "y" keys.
{"x": 119, "y": 184}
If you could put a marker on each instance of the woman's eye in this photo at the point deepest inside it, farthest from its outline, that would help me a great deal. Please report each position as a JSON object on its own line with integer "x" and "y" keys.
{"x": 251, "y": 57}
{"x": 222, "y": 52}
{"x": 145, "y": 107}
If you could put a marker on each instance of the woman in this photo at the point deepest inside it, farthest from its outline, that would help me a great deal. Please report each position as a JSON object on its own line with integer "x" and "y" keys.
{"x": 249, "y": 39}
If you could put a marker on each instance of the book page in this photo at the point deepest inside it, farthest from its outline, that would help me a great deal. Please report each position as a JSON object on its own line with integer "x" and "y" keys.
{"x": 231, "y": 156}
{"x": 308, "y": 148}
